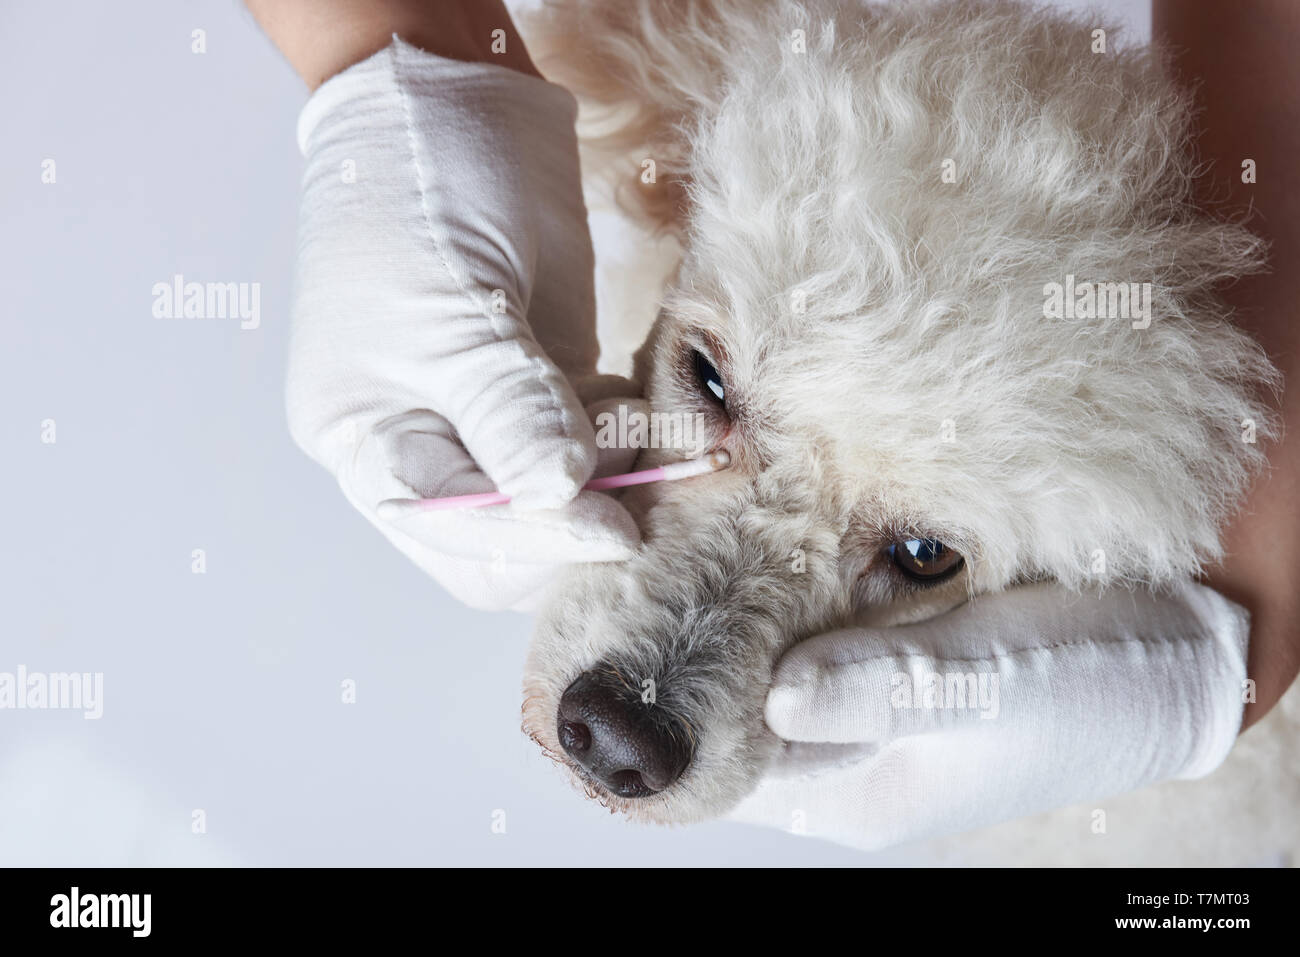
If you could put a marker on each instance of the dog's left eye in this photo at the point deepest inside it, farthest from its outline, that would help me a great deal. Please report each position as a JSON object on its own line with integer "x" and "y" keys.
{"x": 709, "y": 378}
{"x": 925, "y": 559}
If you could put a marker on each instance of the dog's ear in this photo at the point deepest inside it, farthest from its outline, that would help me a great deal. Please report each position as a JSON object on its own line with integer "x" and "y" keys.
{"x": 645, "y": 73}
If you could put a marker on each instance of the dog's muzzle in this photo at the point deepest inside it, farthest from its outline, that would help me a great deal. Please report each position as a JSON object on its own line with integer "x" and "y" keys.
{"x": 629, "y": 744}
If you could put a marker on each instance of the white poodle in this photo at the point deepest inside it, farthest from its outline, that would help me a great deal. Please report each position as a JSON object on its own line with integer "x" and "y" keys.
{"x": 876, "y": 210}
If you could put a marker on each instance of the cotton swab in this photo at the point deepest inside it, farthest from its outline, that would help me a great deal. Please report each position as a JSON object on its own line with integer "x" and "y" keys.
{"x": 715, "y": 461}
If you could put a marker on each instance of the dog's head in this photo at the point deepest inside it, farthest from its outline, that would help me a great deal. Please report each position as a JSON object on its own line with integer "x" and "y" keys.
{"x": 889, "y": 313}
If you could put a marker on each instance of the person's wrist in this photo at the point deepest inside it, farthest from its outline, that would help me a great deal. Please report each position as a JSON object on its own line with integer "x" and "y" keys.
{"x": 322, "y": 38}
{"x": 474, "y": 31}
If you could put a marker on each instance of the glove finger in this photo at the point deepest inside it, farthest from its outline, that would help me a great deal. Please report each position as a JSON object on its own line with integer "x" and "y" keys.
{"x": 945, "y": 673}
{"x": 417, "y": 455}
{"x": 864, "y": 685}
{"x": 591, "y": 528}
{"x": 520, "y": 421}
{"x": 423, "y": 451}
{"x": 1017, "y": 658}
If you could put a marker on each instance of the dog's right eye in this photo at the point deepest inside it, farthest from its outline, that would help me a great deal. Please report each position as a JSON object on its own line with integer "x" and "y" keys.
{"x": 709, "y": 378}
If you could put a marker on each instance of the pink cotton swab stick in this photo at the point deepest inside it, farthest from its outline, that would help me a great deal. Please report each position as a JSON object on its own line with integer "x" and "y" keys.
{"x": 713, "y": 462}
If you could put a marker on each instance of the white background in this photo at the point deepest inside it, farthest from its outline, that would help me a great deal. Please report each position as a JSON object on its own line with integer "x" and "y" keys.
{"x": 222, "y": 690}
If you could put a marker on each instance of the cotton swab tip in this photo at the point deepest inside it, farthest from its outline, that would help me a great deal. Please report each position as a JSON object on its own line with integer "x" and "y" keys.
{"x": 701, "y": 466}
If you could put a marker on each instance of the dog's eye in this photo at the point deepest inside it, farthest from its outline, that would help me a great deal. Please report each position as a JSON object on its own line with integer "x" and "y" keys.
{"x": 709, "y": 378}
{"x": 925, "y": 559}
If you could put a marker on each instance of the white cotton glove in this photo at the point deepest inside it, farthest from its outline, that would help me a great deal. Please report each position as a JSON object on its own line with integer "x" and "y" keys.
{"x": 1096, "y": 695}
{"x": 443, "y": 254}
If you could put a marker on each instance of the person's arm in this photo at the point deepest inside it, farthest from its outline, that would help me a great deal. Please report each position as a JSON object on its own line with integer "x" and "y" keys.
{"x": 320, "y": 38}
{"x": 1240, "y": 60}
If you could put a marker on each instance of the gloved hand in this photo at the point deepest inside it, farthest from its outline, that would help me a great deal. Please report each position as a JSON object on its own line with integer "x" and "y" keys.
{"x": 443, "y": 256}
{"x": 1067, "y": 698}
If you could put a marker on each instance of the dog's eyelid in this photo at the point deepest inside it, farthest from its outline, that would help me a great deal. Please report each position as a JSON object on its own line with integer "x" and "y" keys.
{"x": 948, "y": 541}
{"x": 700, "y": 350}
{"x": 958, "y": 539}
{"x": 707, "y": 345}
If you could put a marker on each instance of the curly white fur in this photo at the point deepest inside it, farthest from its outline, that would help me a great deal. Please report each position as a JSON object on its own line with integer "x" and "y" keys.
{"x": 882, "y": 334}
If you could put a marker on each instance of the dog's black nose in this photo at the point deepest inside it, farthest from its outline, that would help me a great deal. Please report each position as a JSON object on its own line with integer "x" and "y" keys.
{"x": 630, "y": 746}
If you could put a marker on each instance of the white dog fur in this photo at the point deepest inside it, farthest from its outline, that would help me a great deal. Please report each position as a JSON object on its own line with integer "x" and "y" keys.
{"x": 888, "y": 364}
